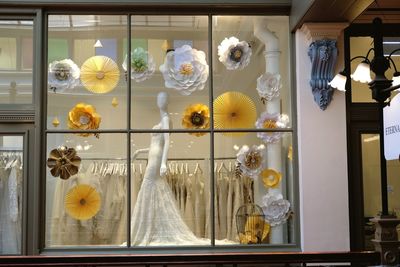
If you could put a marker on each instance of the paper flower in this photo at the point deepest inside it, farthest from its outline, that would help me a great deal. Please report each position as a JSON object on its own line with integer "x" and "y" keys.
{"x": 142, "y": 65}
{"x": 82, "y": 202}
{"x": 250, "y": 160}
{"x": 63, "y": 162}
{"x": 234, "y": 110}
{"x": 83, "y": 117}
{"x": 99, "y": 74}
{"x": 271, "y": 121}
{"x": 196, "y": 116}
{"x": 63, "y": 75}
{"x": 233, "y": 54}
{"x": 276, "y": 209}
{"x": 271, "y": 178}
{"x": 268, "y": 86}
{"x": 185, "y": 70}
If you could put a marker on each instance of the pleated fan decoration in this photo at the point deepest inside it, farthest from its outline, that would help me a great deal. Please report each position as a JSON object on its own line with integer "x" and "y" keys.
{"x": 82, "y": 202}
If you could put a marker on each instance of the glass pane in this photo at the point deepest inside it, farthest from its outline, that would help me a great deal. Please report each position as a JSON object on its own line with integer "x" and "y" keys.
{"x": 254, "y": 189}
{"x": 16, "y": 61}
{"x": 359, "y": 46}
{"x": 170, "y": 210}
{"x": 11, "y": 198}
{"x": 86, "y": 200}
{"x": 86, "y": 83}
{"x": 169, "y": 53}
{"x": 250, "y": 75}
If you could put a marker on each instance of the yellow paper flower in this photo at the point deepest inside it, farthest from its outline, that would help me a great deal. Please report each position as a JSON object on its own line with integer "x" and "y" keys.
{"x": 196, "y": 116}
{"x": 234, "y": 110}
{"x": 82, "y": 202}
{"x": 290, "y": 153}
{"x": 99, "y": 74}
{"x": 83, "y": 117}
{"x": 271, "y": 178}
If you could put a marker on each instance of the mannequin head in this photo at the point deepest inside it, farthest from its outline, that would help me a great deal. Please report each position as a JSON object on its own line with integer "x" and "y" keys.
{"x": 162, "y": 100}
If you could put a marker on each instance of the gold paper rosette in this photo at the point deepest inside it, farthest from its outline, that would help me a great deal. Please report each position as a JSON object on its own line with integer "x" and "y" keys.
{"x": 83, "y": 117}
{"x": 196, "y": 116}
{"x": 234, "y": 110}
{"x": 271, "y": 178}
{"x": 63, "y": 162}
{"x": 82, "y": 202}
{"x": 99, "y": 74}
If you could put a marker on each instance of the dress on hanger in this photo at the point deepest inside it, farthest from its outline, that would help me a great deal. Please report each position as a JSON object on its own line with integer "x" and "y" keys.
{"x": 156, "y": 219}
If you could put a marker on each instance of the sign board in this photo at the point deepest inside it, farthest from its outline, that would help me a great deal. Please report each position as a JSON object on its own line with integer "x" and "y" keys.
{"x": 391, "y": 131}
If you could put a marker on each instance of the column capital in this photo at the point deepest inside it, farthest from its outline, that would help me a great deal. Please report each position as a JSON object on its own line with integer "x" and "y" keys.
{"x": 317, "y": 31}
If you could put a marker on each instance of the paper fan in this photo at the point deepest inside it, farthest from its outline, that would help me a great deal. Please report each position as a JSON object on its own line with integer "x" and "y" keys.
{"x": 99, "y": 74}
{"x": 82, "y": 202}
{"x": 233, "y": 110}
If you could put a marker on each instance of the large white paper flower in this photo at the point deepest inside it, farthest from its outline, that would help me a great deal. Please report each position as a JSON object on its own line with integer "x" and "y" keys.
{"x": 185, "y": 69}
{"x": 250, "y": 160}
{"x": 142, "y": 65}
{"x": 63, "y": 75}
{"x": 233, "y": 54}
{"x": 271, "y": 121}
{"x": 268, "y": 86}
{"x": 276, "y": 209}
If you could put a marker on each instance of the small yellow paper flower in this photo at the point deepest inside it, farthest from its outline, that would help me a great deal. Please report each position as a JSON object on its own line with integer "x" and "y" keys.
{"x": 271, "y": 178}
{"x": 83, "y": 117}
{"x": 82, "y": 202}
{"x": 196, "y": 116}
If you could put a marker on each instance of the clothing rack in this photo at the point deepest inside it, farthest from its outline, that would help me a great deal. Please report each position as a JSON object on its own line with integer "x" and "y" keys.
{"x": 10, "y": 150}
{"x": 169, "y": 159}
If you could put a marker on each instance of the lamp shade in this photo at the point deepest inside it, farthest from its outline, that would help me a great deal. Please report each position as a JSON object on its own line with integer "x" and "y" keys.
{"x": 339, "y": 82}
{"x": 362, "y": 73}
{"x": 396, "y": 79}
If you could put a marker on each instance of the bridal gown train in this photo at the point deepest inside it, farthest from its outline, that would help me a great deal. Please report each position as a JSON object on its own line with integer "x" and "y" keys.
{"x": 156, "y": 221}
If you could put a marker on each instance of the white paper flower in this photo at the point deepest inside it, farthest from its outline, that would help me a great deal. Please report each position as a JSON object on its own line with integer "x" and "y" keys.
{"x": 63, "y": 75}
{"x": 233, "y": 54}
{"x": 271, "y": 121}
{"x": 250, "y": 160}
{"x": 276, "y": 209}
{"x": 185, "y": 70}
{"x": 268, "y": 86}
{"x": 142, "y": 65}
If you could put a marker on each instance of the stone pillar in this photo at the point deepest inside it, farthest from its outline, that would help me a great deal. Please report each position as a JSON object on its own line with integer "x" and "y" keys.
{"x": 386, "y": 239}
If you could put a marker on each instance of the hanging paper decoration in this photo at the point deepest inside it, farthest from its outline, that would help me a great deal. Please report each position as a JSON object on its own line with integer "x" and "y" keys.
{"x": 63, "y": 162}
{"x": 271, "y": 121}
{"x": 268, "y": 86}
{"x": 55, "y": 122}
{"x": 99, "y": 74}
{"x": 271, "y": 178}
{"x": 82, "y": 202}
{"x": 233, "y": 54}
{"x": 276, "y": 209}
{"x": 83, "y": 117}
{"x": 185, "y": 69}
{"x": 142, "y": 65}
{"x": 250, "y": 160}
{"x": 234, "y": 110}
{"x": 63, "y": 75}
{"x": 114, "y": 102}
{"x": 196, "y": 116}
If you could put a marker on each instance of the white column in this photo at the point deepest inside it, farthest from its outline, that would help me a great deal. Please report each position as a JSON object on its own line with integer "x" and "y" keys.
{"x": 322, "y": 152}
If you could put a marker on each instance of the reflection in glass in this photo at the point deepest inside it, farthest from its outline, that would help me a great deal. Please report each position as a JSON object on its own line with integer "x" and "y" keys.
{"x": 89, "y": 207}
{"x": 11, "y": 182}
{"x": 16, "y": 62}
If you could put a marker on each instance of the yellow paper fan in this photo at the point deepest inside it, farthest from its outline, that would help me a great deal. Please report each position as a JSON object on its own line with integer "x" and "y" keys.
{"x": 233, "y": 110}
{"x": 99, "y": 74}
{"x": 82, "y": 202}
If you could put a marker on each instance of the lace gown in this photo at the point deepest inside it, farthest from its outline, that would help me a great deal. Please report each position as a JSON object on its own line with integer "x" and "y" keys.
{"x": 156, "y": 221}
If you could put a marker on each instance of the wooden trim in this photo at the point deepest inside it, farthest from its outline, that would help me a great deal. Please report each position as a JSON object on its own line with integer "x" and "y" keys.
{"x": 365, "y": 257}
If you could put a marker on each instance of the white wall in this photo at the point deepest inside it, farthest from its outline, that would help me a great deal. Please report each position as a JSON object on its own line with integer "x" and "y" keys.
{"x": 322, "y": 162}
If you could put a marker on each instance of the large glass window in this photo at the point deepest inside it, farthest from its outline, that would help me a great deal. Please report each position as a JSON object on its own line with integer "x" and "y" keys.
{"x": 169, "y": 131}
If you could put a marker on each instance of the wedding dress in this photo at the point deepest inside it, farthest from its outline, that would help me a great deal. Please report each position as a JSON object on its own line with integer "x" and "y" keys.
{"x": 156, "y": 221}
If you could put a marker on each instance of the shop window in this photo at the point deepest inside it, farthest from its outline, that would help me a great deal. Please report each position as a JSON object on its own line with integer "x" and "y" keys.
{"x": 187, "y": 142}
